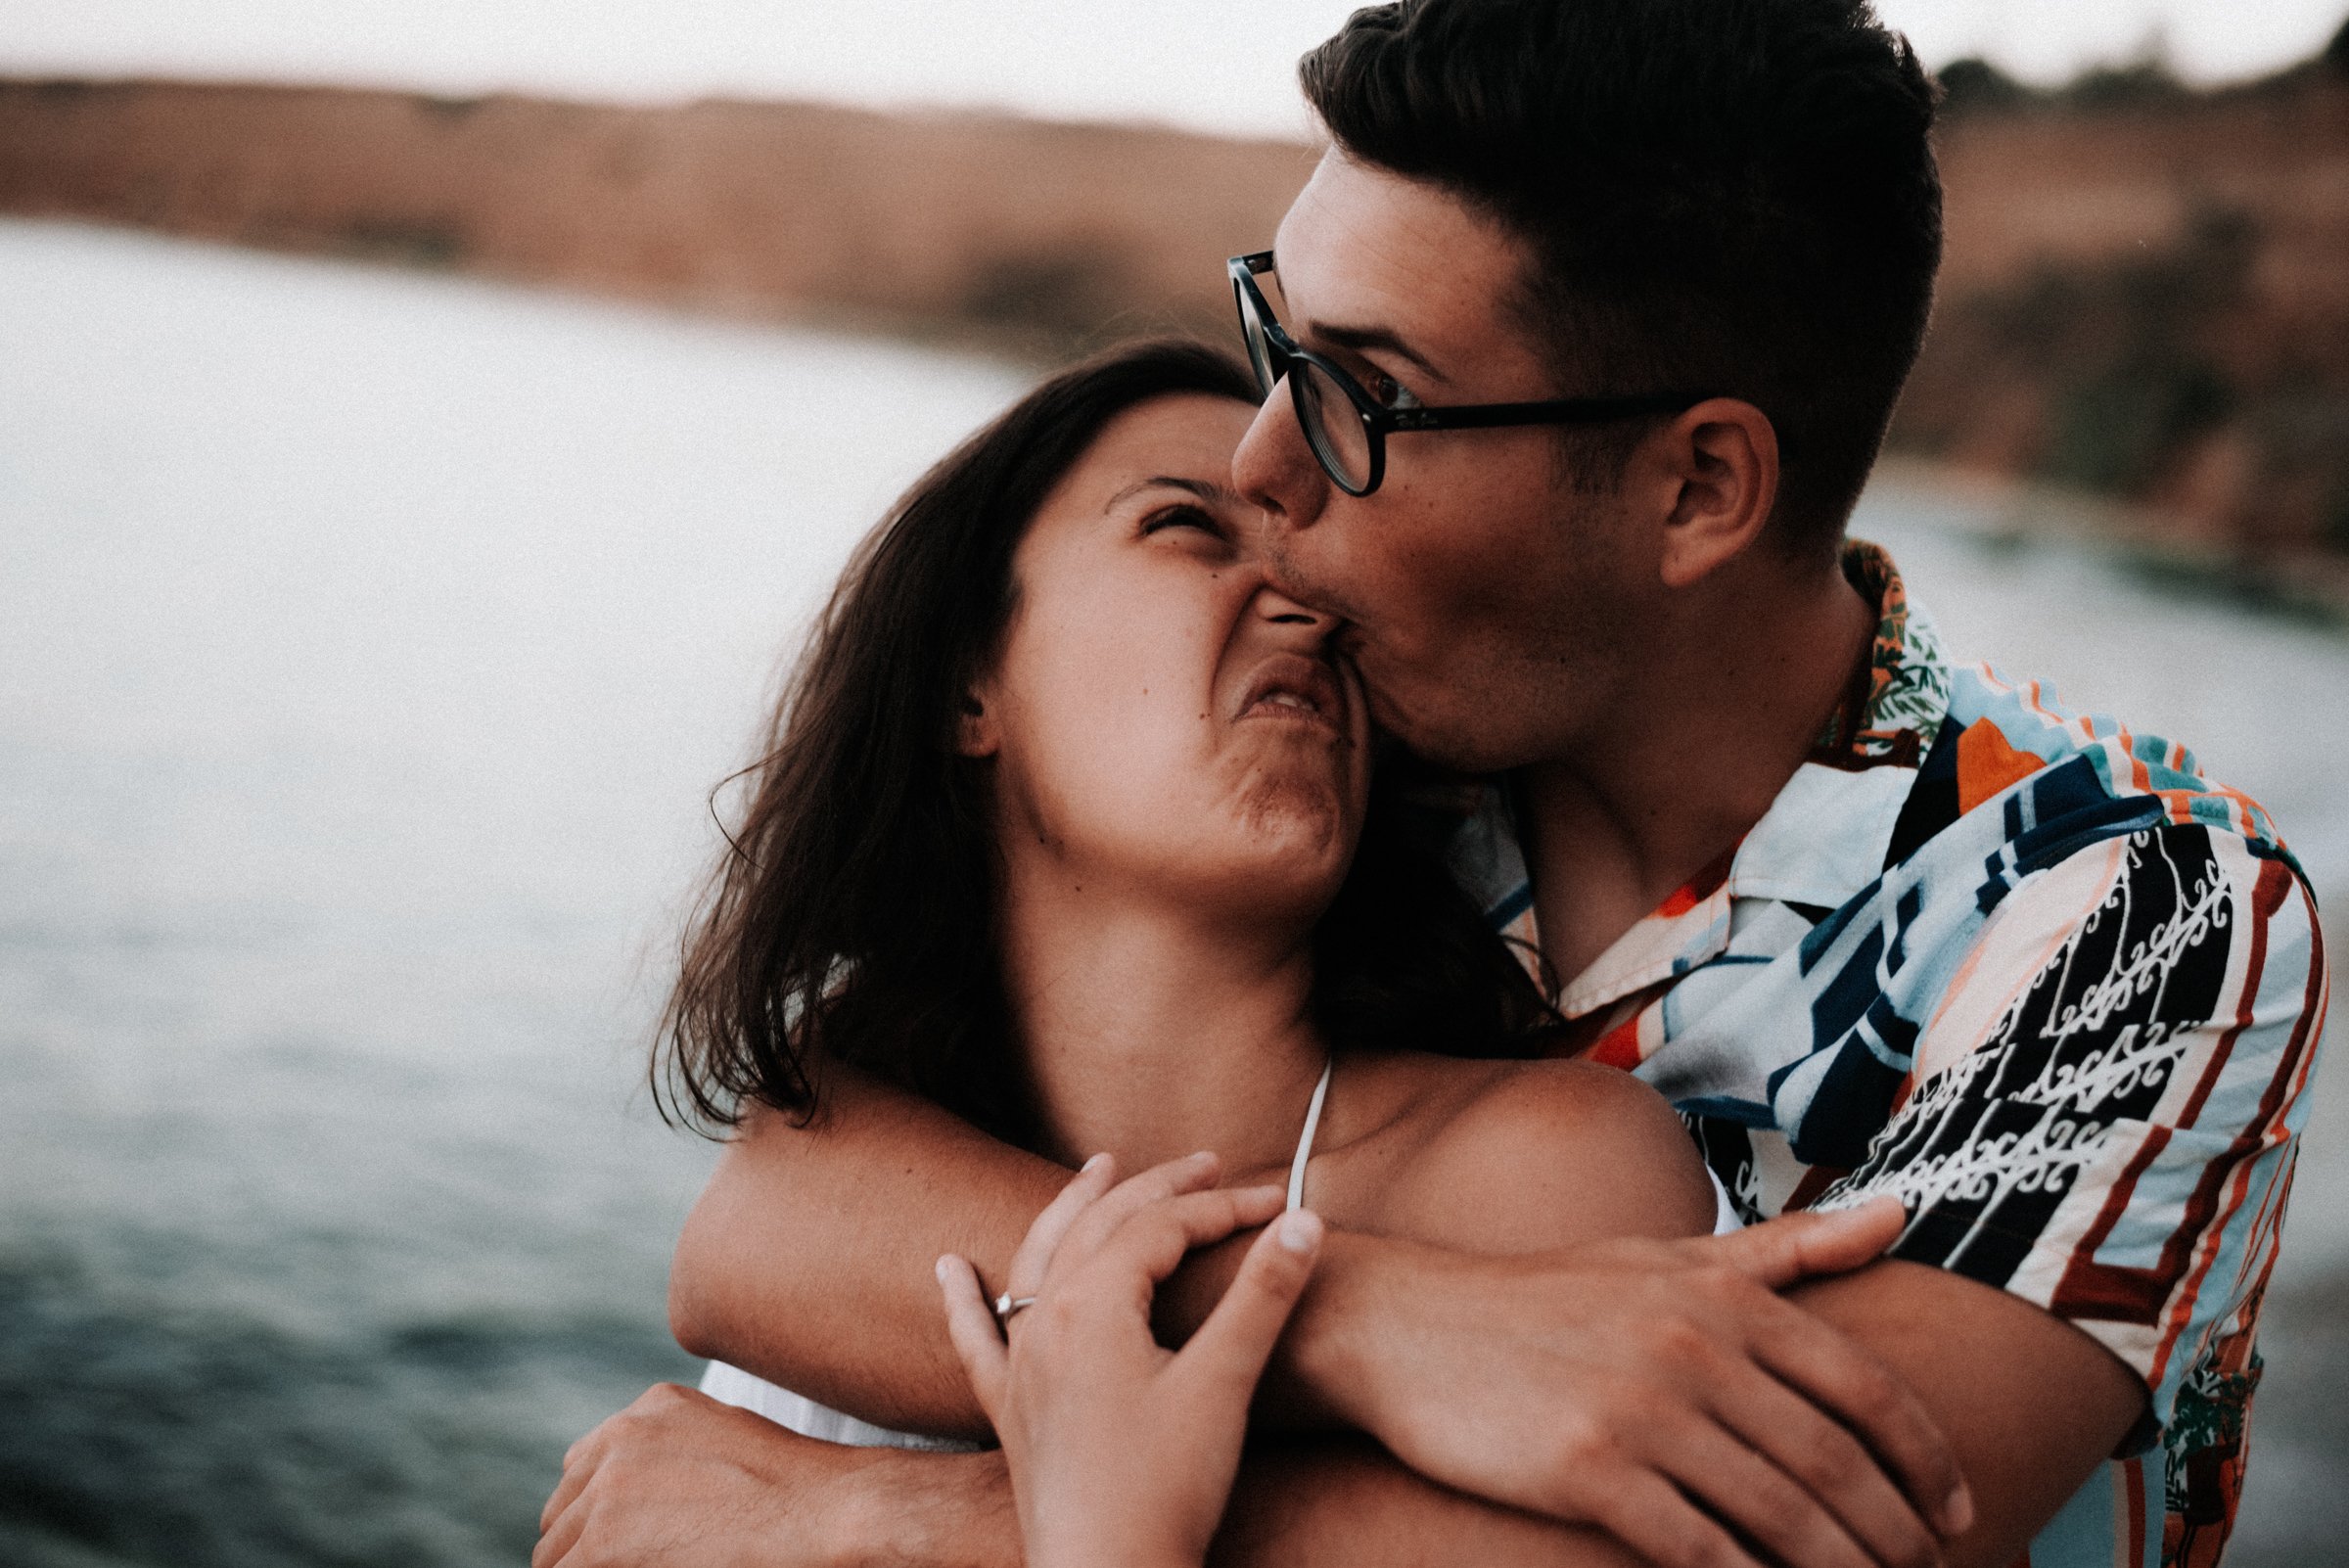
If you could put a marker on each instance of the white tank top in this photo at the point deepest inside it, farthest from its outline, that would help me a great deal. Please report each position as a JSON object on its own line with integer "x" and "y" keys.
{"x": 1305, "y": 1143}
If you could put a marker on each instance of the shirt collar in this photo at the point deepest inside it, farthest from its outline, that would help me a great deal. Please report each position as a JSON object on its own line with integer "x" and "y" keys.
{"x": 1901, "y": 694}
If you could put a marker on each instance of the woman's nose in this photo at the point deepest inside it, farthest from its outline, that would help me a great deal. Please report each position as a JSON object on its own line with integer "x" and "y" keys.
{"x": 1280, "y": 610}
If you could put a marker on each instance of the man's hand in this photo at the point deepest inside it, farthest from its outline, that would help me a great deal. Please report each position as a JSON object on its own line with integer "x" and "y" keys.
{"x": 680, "y": 1480}
{"x": 1659, "y": 1390}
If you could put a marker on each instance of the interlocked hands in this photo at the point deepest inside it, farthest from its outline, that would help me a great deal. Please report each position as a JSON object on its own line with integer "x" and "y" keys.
{"x": 1123, "y": 1454}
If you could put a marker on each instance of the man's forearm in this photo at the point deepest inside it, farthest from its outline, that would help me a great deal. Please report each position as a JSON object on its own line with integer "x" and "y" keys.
{"x": 1343, "y": 1503}
{"x": 809, "y": 1259}
{"x": 1339, "y": 1504}
{"x": 2029, "y": 1404}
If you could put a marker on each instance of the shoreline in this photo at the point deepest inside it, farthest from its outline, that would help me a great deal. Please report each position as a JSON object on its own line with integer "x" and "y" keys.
{"x": 2141, "y": 294}
{"x": 2005, "y": 512}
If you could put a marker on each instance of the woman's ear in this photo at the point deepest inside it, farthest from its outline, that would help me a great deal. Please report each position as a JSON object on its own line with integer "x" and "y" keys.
{"x": 974, "y": 727}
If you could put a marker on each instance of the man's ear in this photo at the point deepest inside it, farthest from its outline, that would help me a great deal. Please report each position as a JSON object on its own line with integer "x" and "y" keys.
{"x": 1721, "y": 461}
{"x": 975, "y": 733}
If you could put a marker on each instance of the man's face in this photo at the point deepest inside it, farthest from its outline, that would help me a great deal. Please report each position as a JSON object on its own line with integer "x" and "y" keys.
{"x": 1493, "y": 609}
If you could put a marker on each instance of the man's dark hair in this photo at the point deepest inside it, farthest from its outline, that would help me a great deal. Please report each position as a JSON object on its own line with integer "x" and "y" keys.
{"x": 1734, "y": 197}
{"x": 852, "y": 918}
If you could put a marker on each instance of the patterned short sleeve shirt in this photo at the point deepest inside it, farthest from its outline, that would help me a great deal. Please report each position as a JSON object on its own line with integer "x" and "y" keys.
{"x": 2037, "y": 976}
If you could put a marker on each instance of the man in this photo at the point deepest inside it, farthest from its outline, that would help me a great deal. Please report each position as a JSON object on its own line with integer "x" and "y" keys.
{"x": 1877, "y": 924}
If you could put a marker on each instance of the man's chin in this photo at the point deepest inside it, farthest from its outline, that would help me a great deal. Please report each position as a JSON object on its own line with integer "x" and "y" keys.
{"x": 1442, "y": 739}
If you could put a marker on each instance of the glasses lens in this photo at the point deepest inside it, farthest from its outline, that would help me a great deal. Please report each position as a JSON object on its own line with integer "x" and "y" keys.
{"x": 1264, "y": 357}
{"x": 1334, "y": 426}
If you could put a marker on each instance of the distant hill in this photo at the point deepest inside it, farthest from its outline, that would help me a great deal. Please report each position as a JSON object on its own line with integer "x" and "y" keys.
{"x": 1024, "y": 233}
{"x": 2146, "y": 292}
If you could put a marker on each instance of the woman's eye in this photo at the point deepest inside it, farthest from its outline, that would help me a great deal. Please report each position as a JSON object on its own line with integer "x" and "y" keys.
{"x": 1183, "y": 517}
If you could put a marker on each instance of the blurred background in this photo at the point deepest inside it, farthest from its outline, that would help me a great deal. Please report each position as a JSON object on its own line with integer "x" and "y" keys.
{"x": 425, "y": 430}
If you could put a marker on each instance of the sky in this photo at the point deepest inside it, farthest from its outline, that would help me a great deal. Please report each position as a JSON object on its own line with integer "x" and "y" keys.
{"x": 1212, "y": 64}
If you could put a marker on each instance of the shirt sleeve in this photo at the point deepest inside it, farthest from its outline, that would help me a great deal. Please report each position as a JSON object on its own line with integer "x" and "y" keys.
{"x": 2106, "y": 1102}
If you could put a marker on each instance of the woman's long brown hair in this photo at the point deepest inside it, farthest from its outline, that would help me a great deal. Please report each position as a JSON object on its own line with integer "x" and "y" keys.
{"x": 852, "y": 918}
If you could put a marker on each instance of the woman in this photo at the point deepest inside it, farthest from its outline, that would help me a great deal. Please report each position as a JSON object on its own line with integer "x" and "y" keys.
{"x": 1067, "y": 823}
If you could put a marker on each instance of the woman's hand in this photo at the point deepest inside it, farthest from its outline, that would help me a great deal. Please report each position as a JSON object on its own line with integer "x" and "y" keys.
{"x": 1123, "y": 1454}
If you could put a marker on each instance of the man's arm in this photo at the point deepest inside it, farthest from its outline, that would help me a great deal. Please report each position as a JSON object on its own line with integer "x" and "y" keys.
{"x": 1336, "y": 1502}
{"x": 809, "y": 1258}
{"x": 2030, "y": 1403}
{"x": 682, "y": 1480}
{"x": 2101, "y": 1127}
{"x": 1551, "y": 1383}
{"x": 1529, "y": 1388}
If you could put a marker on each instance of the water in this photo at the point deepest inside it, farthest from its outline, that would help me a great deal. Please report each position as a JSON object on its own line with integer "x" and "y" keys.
{"x": 368, "y": 643}
{"x": 367, "y": 646}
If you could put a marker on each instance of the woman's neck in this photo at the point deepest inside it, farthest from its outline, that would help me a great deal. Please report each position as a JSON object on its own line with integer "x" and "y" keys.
{"x": 1151, "y": 1032}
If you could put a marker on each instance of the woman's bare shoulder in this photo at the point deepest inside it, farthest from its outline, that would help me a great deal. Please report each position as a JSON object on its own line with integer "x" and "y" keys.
{"x": 1521, "y": 1156}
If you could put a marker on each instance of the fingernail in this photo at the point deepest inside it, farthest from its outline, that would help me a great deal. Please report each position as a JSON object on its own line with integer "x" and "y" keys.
{"x": 944, "y": 1267}
{"x": 1957, "y": 1513}
{"x": 1299, "y": 1228}
{"x": 1094, "y": 1164}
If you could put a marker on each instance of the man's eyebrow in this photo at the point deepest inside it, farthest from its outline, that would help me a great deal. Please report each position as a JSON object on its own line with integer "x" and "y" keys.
{"x": 1205, "y": 489}
{"x": 1361, "y": 338}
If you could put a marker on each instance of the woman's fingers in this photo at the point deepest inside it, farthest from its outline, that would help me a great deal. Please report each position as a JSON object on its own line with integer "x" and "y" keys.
{"x": 1230, "y": 1350}
{"x": 1092, "y": 1229}
{"x": 1151, "y": 1243}
{"x": 1110, "y": 1284}
{"x": 971, "y": 1324}
{"x": 1034, "y": 1255}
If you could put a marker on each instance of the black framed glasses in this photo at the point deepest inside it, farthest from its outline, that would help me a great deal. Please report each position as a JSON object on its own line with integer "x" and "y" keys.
{"x": 1347, "y": 429}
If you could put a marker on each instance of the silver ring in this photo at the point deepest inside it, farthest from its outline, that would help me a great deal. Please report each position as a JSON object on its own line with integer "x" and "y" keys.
{"x": 1006, "y": 1305}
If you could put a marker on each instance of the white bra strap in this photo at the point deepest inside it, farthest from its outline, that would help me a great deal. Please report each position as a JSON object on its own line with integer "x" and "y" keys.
{"x": 1305, "y": 1144}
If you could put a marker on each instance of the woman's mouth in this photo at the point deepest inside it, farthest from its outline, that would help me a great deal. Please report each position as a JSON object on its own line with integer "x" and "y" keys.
{"x": 1295, "y": 689}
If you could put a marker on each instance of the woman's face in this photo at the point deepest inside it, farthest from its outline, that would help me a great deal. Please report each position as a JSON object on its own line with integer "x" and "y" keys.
{"x": 1163, "y": 723}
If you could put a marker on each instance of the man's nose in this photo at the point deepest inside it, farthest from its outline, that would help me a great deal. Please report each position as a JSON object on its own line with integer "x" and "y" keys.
{"x": 1277, "y": 471}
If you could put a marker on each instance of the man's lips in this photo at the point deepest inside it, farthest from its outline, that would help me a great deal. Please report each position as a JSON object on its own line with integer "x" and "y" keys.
{"x": 1296, "y": 688}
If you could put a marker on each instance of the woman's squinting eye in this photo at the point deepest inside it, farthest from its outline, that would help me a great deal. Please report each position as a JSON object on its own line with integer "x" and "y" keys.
{"x": 1182, "y": 516}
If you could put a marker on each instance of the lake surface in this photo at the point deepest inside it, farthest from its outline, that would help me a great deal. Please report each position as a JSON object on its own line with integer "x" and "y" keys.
{"x": 369, "y": 644}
